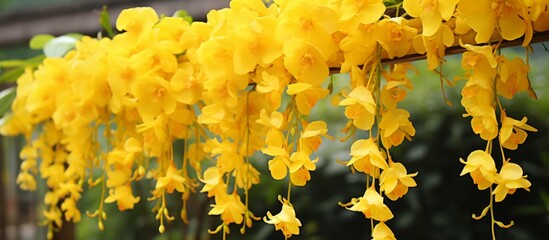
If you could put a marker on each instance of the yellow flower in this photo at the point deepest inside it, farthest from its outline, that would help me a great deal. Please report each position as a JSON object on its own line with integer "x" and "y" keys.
{"x": 211, "y": 114}
{"x": 435, "y": 45}
{"x": 395, "y": 181}
{"x": 484, "y": 121}
{"x": 372, "y": 206}
{"x": 71, "y": 211}
{"x": 513, "y": 77}
{"x": 394, "y": 36}
{"x": 487, "y": 15}
{"x": 309, "y": 21}
{"x": 276, "y": 120}
{"x": 509, "y": 180}
{"x": 136, "y": 20}
{"x": 171, "y": 181}
{"x": 213, "y": 182}
{"x": 366, "y": 11}
{"x": 382, "y": 232}
{"x": 154, "y": 96}
{"x": 305, "y": 62}
{"x": 255, "y": 44}
{"x": 300, "y": 166}
{"x": 512, "y": 131}
{"x": 306, "y": 96}
{"x": 482, "y": 168}
{"x": 431, "y": 12}
{"x": 395, "y": 126}
{"x": 366, "y": 157}
{"x": 477, "y": 92}
{"x": 360, "y": 108}
{"x": 123, "y": 196}
{"x": 229, "y": 206}
{"x": 186, "y": 87}
{"x": 285, "y": 221}
{"x": 313, "y": 129}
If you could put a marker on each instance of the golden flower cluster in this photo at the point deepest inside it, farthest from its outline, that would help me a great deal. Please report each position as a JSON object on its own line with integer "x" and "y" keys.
{"x": 245, "y": 81}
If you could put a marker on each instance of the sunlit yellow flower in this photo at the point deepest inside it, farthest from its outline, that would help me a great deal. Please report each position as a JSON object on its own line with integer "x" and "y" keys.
{"x": 512, "y": 131}
{"x": 366, "y": 11}
{"x": 482, "y": 168}
{"x": 305, "y": 62}
{"x": 285, "y": 221}
{"x": 123, "y": 197}
{"x": 431, "y": 12}
{"x": 484, "y": 121}
{"x": 485, "y": 16}
{"x": 395, "y": 126}
{"x": 435, "y": 45}
{"x": 154, "y": 96}
{"x": 213, "y": 182}
{"x": 382, "y": 232}
{"x": 310, "y": 21}
{"x": 306, "y": 96}
{"x": 255, "y": 44}
{"x": 274, "y": 121}
{"x": 70, "y": 209}
{"x": 300, "y": 166}
{"x": 136, "y": 20}
{"x": 394, "y": 36}
{"x": 371, "y": 205}
{"x": 186, "y": 87}
{"x": 171, "y": 181}
{"x": 395, "y": 181}
{"x": 513, "y": 77}
{"x": 509, "y": 180}
{"x": 366, "y": 157}
{"x": 229, "y": 206}
{"x": 360, "y": 108}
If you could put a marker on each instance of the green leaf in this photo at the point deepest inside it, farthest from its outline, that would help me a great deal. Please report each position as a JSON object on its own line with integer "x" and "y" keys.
{"x": 105, "y": 22}
{"x": 12, "y": 63}
{"x": 6, "y": 98}
{"x": 31, "y": 62}
{"x": 59, "y": 46}
{"x": 11, "y": 75}
{"x": 39, "y": 41}
{"x": 183, "y": 14}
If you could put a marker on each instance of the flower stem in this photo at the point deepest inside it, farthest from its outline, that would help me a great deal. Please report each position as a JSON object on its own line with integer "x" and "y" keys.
{"x": 492, "y": 219}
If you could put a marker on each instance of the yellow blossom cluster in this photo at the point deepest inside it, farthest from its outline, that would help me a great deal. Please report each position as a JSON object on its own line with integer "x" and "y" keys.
{"x": 109, "y": 112}
{"x": 490, "y": 76}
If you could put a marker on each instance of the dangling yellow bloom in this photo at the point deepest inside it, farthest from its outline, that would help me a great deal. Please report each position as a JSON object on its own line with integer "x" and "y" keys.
{"x": 431, "y": 12}
{"x": 366, "y": 157}
{"x": 482, "y": 168}
{"x": 305, "y": 62}
{"x": 360, "y": 108}
{"x": 512, "y": 131}
{"x": 513, "y": 77}
{"x": 285, "y": 221}
{"x": 171, "y": 181}
{"x": 509, "y": 17}
{"x": 484, "y": 121}
{"x": 395, "y": 126}
{"x": 229, "y": 206}
{"x": 382, "y": 232}
{"x": 509, "y": 180}
{"x": 371, "y": 205}
{"x": 123, "y": 196}
{"x": 394, "y": 36}
{"x": 395, "y": 181}
{"x": 366, "y": 11}
{"x": 136, "y": 20}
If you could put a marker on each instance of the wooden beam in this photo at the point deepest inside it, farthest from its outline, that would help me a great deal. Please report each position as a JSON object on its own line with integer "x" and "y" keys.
{"x": 83, "y": 16}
